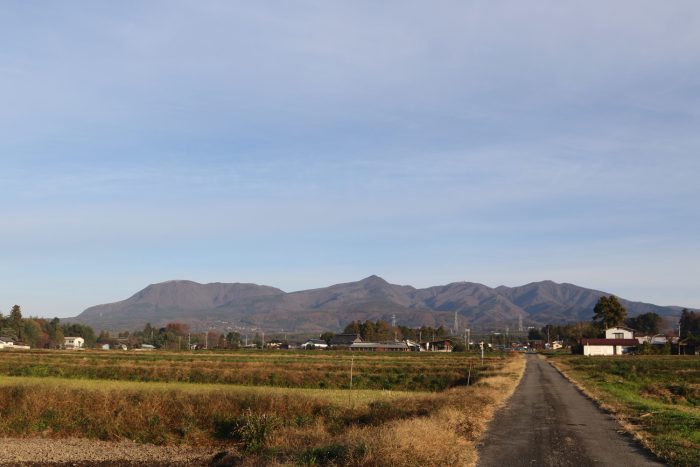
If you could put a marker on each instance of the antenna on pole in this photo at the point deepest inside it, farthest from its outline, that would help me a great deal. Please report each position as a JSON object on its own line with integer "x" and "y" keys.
{"x": 456, "y": 328}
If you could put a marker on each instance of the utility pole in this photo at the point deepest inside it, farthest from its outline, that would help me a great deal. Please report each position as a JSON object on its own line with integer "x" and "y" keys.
{"x": 352, "y": 363}
{"x": 189, "y": 341}
{"x": 263, "y": 339}
{"x": 206, "y": 339}
{"x": 469, "y": 338}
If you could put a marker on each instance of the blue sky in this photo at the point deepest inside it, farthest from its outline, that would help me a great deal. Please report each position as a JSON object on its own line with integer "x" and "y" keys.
{"x": 301, "y": 144}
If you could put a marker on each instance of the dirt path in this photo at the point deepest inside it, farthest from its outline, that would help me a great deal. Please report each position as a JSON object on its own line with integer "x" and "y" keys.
{"x": 85, "y": 452}
{"x": 548, "y": 422}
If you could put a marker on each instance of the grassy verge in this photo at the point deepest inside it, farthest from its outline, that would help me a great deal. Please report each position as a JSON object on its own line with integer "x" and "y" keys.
{"x": 655, "y": 397}
{"x": 266, "y": 425}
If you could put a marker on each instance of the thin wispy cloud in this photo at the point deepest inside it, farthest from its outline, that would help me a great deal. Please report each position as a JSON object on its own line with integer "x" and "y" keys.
{"x": 315, "y": 142}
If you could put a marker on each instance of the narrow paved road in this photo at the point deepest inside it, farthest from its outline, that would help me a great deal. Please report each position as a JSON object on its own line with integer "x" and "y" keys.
{"x": 548, "y": 422}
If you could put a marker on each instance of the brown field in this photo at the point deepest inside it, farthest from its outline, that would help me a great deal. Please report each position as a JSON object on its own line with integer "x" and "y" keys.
{"x": 294, "y": 419}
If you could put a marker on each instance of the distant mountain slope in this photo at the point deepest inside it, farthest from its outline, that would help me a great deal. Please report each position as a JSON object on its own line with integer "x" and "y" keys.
{"x": 238, "y": 306}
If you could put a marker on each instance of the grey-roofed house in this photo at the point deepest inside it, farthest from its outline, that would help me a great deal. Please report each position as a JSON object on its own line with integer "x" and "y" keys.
{"x": 344, "y": 341}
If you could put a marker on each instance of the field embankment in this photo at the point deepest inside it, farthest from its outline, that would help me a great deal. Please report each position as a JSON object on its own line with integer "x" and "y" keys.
{"x": 301, "y": 423}
{"x": 657, "y": 398}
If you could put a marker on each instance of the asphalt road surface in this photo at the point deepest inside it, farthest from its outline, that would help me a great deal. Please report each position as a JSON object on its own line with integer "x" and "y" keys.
{"x": 548, "y": 422}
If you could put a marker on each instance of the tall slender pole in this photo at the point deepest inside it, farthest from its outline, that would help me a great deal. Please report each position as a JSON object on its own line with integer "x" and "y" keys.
{"x": 352, "y": 363}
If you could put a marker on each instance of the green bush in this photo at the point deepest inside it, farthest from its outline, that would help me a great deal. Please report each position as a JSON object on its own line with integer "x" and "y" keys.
{"x": 249, "y": 428}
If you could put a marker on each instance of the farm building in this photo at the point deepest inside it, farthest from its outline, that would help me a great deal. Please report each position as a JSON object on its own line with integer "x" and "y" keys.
{"x": 443, "y": 345}
{"x": 74, "y": 343}
{"x": 314, "y": 344}
{"x": 380, "y": 347}
{"x": 340, "y": 341}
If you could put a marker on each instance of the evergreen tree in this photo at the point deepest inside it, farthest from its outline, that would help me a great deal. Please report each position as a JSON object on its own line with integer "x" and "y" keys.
{"x": 15, "y": 320}
{"x": 608, "y": 312}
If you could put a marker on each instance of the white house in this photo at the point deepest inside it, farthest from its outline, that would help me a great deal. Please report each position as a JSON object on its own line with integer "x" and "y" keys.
{"x": 74, "y": 343}
{"x": 618, "y": 340}
{"x": 619, "y": 332}
{"x": 6, "y": 343}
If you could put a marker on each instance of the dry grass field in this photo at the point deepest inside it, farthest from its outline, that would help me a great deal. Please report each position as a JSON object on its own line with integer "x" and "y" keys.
{"x": 284, "y": 408}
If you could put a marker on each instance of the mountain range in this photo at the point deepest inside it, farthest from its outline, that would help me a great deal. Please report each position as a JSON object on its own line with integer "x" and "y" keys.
{"x": 238, "y": 306}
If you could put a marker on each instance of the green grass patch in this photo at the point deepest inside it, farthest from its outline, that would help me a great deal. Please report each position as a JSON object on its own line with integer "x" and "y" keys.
{"x": 658, "y": 395}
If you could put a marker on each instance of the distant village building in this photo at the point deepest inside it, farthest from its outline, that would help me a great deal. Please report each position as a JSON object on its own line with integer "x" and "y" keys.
{"x": 619, "y": 332}
{"x": 380, "y": 347}
{"x": 274, "y": 344}
{"x": 74, "y": 343}
{"x": 314, "y": 344}
{"x": 687, "y": 346}
{"x": 344, "y": 341}
{"x": 442, "y": 345}
{"x": 6, "y": 343}
{"x": 413, "y": 346}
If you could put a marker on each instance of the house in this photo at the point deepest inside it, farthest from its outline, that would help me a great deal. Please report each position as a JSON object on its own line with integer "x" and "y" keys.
{"x": 6, "y": 343}
{"x": 74, "y": 343}
{"x": 618, "y": 340}
{"x": 619, "y": 332}
{"x": 314, "y": 344}
{"x": 344, "y": 341}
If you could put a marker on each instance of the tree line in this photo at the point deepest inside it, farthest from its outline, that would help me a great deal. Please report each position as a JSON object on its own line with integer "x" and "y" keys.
{"x": 41, "y": 332}
{"x": 380, "y": 330}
